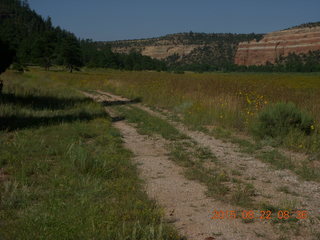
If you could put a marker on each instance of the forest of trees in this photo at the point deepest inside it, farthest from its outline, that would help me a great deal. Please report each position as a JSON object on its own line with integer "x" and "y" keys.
{"x": 28, "y": 39}
{"x": 101, "y": 56}
{"x": 308, "y": 62}
{"x": 6, "y": 56}
{"x": 35, "y": 41}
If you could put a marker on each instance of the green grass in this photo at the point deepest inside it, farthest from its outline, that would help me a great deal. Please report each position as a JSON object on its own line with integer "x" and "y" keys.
{"x": 149, "y": 125}
{"x": 192, "y": 158}
{"x": 66, "y": 174}
{"x": 279, "y": 161}
{"x": 242, "y": 196}
{"x": 271, "y": 156}
{"x": 228, "y": 100}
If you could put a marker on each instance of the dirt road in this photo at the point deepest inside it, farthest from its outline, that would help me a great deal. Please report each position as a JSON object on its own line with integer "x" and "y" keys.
{"x": 185, "y": 201}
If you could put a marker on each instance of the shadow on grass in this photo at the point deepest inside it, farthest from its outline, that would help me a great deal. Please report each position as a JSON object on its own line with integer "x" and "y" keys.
{"x": 19, "y": 122}
{"x": 14, "y": 122}
{"x": 119, "y": 102}
{"x": 117, "y": 119}
{"x": 41, "y": 102}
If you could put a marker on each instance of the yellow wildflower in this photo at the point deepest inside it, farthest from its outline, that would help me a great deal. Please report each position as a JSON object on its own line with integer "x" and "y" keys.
{"x": 248, "y": 100}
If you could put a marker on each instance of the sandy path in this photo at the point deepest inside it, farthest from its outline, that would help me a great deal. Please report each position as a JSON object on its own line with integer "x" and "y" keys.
{"x": 185, "y": 202}
{"x": 265, "y": 179}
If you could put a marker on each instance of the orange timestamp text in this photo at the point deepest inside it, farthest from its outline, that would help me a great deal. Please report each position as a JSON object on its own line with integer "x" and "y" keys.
{"x": 260, "y": 214}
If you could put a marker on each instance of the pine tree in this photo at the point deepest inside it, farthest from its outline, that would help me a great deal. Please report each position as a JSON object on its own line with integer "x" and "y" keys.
{"x": 43, "y": 50}
{"x": 71, "y": 53}
{"x": 6, "y": 56}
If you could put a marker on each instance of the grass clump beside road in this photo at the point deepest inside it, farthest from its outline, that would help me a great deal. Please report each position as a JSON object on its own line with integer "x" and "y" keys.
{"x": 280, "y": 119}
{"x": 150, "y": 125}
{"x": 271, "y": 155}
{"x": 63, "y": 171}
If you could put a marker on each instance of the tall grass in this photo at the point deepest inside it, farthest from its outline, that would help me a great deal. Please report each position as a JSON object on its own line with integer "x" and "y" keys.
{"x": 63, "y": 171}
{"x": 228, "y": 100}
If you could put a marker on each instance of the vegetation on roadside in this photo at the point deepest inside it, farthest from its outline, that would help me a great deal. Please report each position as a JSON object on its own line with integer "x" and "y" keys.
{"x": 232, "y": 101}
{"x": 264, "y": 149}
{"x": 207, "y": 101}
{"x": 149, "y": 125}
{"x": 63, "y": 170}
{"x": 280, "y": 119}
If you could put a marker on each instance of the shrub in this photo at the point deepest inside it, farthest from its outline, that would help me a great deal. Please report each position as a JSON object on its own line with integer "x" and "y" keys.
{"x": 280, "y": 119}
{"x": 17, "y": 67}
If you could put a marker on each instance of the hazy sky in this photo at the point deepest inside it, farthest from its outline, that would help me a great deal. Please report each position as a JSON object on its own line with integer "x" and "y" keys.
{"x": 131, "y": 19}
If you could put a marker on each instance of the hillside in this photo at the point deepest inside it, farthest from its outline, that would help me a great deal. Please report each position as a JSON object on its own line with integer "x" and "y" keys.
{"x": 187, "y": 48}
{"x": 277, "y": 45}
{"x": 306, "y": 25}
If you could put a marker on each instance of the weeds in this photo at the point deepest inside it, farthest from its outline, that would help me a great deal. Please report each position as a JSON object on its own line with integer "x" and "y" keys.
{"x": 279, "y": 119}
{"x": 149, "y": 125}
{"x": 242, "y": 196}
{"x": 68, "y": 175}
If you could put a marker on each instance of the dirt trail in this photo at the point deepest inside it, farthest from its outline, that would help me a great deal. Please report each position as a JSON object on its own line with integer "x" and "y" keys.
{"x": 265, "y": 179}
{"x": 185, "y": 202}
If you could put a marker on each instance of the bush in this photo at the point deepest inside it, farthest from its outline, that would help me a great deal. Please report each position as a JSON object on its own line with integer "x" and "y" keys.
{"x": 17, "y": 67}
{"x": 280, "y": 119}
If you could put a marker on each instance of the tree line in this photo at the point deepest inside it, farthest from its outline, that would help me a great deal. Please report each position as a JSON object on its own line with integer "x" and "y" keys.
{"x": 32, "y": 40}
{"x": 305, "y": 62}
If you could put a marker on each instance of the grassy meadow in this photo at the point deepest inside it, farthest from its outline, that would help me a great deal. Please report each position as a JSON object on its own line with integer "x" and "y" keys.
{"x": 212, "y": 101}
{"x": 63, "y": 171}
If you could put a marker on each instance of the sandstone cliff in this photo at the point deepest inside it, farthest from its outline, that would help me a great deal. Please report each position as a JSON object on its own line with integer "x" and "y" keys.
{"x": 187, "y": 48}
{"x": 281, "y": 43}
{"x": 159, "y": 51}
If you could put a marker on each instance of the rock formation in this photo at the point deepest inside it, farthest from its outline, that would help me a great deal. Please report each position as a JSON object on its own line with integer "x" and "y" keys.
{"x": 276, "y": 44}
{"x": 186, "y": 48}
{"x": 160, "y": 51}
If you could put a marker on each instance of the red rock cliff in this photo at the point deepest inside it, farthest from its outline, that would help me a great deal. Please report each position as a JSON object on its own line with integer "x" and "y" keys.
{"x": 276, "y": 44}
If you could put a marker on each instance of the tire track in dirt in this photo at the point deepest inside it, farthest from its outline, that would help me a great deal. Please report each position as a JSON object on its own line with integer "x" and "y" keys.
{"x": 265, "y": 179}
{"x": 262, "y": 176}
{"x": 184, "y": 201}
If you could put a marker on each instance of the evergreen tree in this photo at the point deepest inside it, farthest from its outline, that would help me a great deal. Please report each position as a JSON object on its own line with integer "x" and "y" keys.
{"x": 43, "y": 50}
{"x": 71, "y": 53}
{"x": 6, "y": 56}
